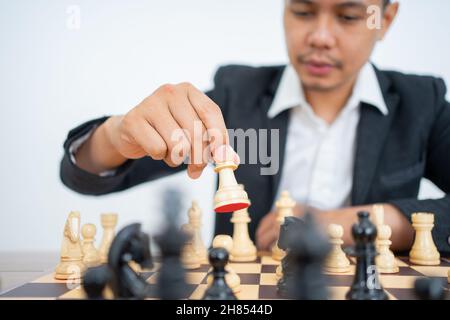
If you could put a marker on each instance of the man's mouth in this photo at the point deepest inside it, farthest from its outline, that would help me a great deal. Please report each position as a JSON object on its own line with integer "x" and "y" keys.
{"x": 319, "y": 68}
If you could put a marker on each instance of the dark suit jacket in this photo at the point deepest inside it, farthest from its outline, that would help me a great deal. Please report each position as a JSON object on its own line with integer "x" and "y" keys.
{"x": 393, "y": 152}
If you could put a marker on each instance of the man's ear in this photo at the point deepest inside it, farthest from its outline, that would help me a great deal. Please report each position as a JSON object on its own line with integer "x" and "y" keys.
{"x": 389, "y": 14}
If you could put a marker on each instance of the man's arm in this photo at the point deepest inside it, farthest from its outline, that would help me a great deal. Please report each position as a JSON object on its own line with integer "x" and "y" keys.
{"x": 133, "y": 145}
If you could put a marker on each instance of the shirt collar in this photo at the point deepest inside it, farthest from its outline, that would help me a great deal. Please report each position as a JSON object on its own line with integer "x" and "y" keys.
{"x": 290, "y": 93}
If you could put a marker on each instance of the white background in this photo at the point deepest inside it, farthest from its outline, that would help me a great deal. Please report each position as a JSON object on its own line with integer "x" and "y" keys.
{"x": 53, "y": 78}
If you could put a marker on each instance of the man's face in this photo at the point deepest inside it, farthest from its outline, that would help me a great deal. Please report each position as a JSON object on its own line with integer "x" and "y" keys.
{"x": 328, "y": 41}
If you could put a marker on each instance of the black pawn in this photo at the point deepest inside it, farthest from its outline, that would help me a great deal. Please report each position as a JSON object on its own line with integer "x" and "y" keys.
{"x": 429, "y": 288}
{"x": 95, "y": 280}
{"x": 219, "y": 290}
{"x": 366, "y": 284}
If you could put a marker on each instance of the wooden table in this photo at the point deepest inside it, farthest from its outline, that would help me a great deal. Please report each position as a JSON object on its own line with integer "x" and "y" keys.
{"x": 17, "y": 268}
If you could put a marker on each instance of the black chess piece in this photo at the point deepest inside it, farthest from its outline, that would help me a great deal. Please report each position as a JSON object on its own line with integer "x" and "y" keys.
{"x": 291, "y": 225}
{"x": 130, "y": 244}
{"x": 366, "y": 284}
{"x": 219, "y": 289}
{"x": 171, "y": 283}
{"x": 309, "y": 249}
{"x": 429, "y": 288}
{"x": 95, "y": 280}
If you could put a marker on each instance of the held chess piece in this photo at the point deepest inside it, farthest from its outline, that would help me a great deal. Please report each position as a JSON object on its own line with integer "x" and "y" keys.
{"x": 91, "y": 257}
{"x": 231, "y": 278}
{"x": 218, "y": 290}
{"x": 130, "y": 244}
{"x": 71, "y": 264}
{"x": 366, "y": 285}
{"x": 430, "y": 288}
{"x": 243, "y": 248}
{"x": 195, "y": 220}
{"x": 109, "y": 222}
{"x": 229, "y": 196}
{"x": 171, "y": 283}
{"x": 189, "y": 257}
{"x": 423, "y": 251}
{"x": 385, "y": 260}
{"x": 285, "y": 206}
{"x": 337, "y": 261}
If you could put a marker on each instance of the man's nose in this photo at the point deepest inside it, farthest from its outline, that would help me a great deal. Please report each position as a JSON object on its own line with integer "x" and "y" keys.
{"x": 322, "y": 35}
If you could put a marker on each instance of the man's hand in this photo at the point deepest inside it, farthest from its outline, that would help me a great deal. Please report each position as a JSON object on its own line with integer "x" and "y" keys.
{"x": 175, "y": 122}
{"x": 402, "y": 231}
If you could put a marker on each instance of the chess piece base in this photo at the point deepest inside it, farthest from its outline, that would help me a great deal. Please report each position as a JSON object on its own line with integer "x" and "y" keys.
{"x": 69, "y": 270}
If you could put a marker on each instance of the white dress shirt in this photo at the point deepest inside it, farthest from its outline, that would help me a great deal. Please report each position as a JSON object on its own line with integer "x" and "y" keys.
{"x": 319, "y": 158}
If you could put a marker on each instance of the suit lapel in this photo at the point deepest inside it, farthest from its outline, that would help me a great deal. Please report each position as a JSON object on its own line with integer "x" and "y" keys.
{"x": 373, "y": 129}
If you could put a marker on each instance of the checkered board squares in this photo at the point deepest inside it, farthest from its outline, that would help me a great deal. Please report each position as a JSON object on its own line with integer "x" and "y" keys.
{"x": 258, "y": 281}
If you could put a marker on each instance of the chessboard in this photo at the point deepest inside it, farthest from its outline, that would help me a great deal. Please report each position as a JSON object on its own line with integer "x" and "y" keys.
{"x": 258, "y": 281}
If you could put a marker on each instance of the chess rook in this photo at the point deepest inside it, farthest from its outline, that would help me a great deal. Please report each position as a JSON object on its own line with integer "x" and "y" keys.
{"x": 109, "y": 222}
{"x": 423, "y": 251}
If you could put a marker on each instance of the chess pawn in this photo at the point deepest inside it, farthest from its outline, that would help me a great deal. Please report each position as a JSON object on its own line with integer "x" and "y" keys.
{"x": 243, "y": 248}
{"x": 71, "y": 264}
{"x": 109, "y": 222}
{"x": 231, "y": 278}
{"x": 337, "y": 261}
{"x": 189, "y": 257}
{"x": 448, "y": 276}
{"x": 284, "y": 206}
{"x": 423, "y": 251}
{"x": 195, "y": 220}
{"x": 279, "y": 272}
{"x": 229, "y": 196}
{"x": 385, "y": 260}
{"x": 91, "y": 257}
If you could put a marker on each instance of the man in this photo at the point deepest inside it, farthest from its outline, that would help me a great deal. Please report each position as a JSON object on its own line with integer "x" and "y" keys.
{"x": 350, "y": 134}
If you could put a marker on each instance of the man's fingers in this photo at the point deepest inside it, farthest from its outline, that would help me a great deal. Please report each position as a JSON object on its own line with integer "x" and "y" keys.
{"x": 211, "y": 116}
{"x": 266, "y": 240}
{"x": 268, "y": 222}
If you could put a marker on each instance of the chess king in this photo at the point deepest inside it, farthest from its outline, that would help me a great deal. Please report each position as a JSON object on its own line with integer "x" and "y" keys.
{"x": 336, "y": 119}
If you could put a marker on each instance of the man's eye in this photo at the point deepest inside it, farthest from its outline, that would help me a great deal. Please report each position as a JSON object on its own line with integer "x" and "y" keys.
{"x": 303, "y": 14}
{"x": 349, "y": 18}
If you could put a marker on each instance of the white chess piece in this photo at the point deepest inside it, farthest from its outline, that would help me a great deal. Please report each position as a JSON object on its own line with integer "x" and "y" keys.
{"x": 284, "y": 206}
{"x": 230, "y": 196}
{"x": 243, "y": 248}
{"x": 189, "y": 257}
{"x": 71, "y": 264}
{"x": 91, "y": 257}
{"x": 337, "y": 261}
{"x": 109, "y": 222}
{"x": 231, "y": 278}
{"x": 423, "y": 251}
{"x": 195, "y": 220}
{"x": 385, "y": 260}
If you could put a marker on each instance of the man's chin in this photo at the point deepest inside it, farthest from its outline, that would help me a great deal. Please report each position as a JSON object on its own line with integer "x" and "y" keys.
{"x": 323, "y": 86}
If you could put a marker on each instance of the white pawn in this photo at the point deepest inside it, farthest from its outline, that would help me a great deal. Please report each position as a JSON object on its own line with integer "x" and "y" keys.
{"x": 285, "y": 206}
{"x": 337, "y": 261}
{"x": 424, "y": 251}
{"x": 189, "y": 257}
{"x": 91, "y": 257}
{"x": 231, "y": 278}
{"x": 385, "y": 260}
{"x": 243, "y": 248}
{"x": 195, "y": 221}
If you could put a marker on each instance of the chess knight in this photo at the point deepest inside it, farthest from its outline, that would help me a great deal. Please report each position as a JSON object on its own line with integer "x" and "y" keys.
{"x": 71, "y": 261}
